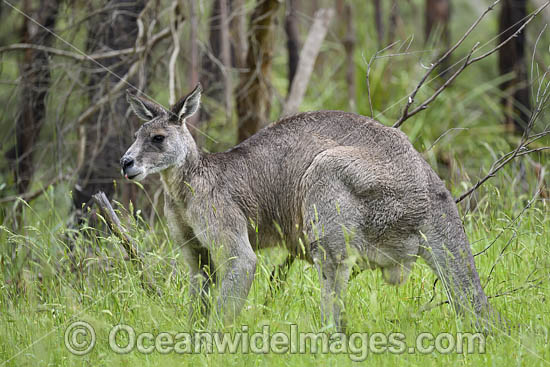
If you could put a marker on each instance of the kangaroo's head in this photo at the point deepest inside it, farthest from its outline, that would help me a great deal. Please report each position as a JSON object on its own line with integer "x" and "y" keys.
{"x": 164, "y": 140}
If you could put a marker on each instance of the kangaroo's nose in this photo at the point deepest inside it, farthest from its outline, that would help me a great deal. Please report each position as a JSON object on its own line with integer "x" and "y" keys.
{"x": 126, "y": 162}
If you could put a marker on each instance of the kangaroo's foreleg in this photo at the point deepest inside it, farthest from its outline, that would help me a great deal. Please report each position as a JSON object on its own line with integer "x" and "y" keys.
{"x": 200, "y": 279}
{"x": 235, "y": 266}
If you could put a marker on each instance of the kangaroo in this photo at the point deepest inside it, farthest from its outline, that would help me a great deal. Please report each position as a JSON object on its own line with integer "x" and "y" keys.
{"x": 335, "y": 188}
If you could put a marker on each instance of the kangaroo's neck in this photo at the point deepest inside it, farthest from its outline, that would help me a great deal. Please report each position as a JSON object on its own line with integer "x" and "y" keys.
{"x": 176, "y": 180}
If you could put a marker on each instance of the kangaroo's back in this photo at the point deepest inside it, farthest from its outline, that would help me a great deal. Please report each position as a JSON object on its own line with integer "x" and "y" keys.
{"x": 275, "y": 167}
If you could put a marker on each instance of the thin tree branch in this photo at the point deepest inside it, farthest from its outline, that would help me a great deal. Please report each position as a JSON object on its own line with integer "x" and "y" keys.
{"x": 95, "y": 56}
{"x": 500, "y": 163}
{"x": 369, "y": 65}
{"x": 410, "y": 100}
{"x": 469, "y": 60}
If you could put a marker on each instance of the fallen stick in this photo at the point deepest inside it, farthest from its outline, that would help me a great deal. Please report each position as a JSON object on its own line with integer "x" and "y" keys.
{"x": 128, "y": 243}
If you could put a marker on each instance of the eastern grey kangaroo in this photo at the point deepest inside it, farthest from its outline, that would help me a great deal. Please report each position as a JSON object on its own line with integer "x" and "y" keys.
{"x": 334, "y": 188}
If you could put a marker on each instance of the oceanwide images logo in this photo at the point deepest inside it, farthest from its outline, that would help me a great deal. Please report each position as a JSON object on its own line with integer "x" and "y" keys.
{"x": 80, "y": 339}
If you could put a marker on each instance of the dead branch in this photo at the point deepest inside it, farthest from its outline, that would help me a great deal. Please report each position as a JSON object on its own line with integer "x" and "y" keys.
{"x": 410, "y": 100}
{"x": 127, "y": 242}
{"x": 308, "y": 55}
{"x": 469, "y": 60}
{"x": 520, "y": 150}
{"x": 369, "y": 65}
{"x": 123, "y": 81}
{"x": 116, "y": 226}
{"x": 510, "y": 226}
{"x": 86, "y": 57}
{"x": 534, "y": 284}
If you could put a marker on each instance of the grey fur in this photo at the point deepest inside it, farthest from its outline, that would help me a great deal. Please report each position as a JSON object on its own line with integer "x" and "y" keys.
{"x": 334, "y": 188}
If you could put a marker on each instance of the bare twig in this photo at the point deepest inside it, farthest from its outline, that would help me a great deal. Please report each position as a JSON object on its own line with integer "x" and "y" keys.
{"x": 127, "y": 242}
{"x": 443, "y": 135}
{"x": 469, "y": 60}
{"x": 517, "y": 289}
{"x": 427, "y": 307}
{"x": 371, "y": 61}
{"x": 509, "y": 226}
{"x": 410, "y": 100}
{"x": 94, "y": 56}
{"x": 308, "y": 55}
{"x": 519, "y": 151}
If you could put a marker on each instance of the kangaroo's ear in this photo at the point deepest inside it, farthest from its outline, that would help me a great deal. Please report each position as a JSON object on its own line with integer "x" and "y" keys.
{"x": 187, "y": 106}
{"x": 144, "y": 108}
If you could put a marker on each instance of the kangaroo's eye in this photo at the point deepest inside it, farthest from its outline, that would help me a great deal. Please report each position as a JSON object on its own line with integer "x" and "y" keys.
{"x": 158, "y": 138}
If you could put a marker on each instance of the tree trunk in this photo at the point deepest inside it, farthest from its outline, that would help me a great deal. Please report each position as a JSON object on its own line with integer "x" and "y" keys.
{"x": 378, "y": 22}
{"x": 35, "y": 82}
{"x": 438, "y": 14}
{"x": 349, "y": 45}
{"x": 194, "y": 52}
{"x": 211, "y": 73}
{"x": 225, "y": 53}
{"x": 293, "y": 40}
{"x": 109, "y": 132}
{"x": 253, "y": 92}
{"x": 393, "y": 21}
{"x": 216, "y": 63}
{"x": 511, "y": 60}
{"x": 308, "y": 56}
{"x": 238, "y": 32}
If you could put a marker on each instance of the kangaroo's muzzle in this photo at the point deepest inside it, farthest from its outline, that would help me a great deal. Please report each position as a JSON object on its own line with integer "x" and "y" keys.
{"x": 129, "y": 169}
